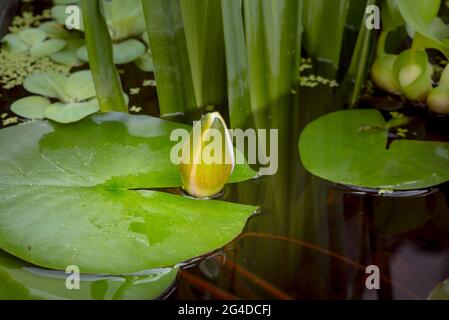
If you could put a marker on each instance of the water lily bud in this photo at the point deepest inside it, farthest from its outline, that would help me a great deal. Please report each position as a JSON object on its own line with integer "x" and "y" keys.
{"x": 382, "y": 73}
{"x": 438, "y": 99}
{"x": 414, "y": 74}
{"x": 210, "y": 162}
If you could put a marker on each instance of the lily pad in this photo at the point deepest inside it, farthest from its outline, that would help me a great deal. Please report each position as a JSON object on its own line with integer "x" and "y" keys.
{"x": 350, "y": 147}
{"x": 123, "y": 52}
{"x": 80, "y": 195}
{"x": 23, "y": 281}
{"x": 32, "y": 107}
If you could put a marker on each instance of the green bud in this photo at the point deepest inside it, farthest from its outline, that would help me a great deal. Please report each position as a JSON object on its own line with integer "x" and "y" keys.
{"x": 207, "y": 167}
{"x": 382, "y": 73}
{"x": 414, "y": 74}
{"x": 438, "y": 99}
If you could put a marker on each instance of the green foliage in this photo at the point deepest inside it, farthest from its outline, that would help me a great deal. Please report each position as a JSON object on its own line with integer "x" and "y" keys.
{"x": 81, "y": 192}
{"x": 76, "y": 95}
{"x": 349, "y": 147}
{"x": 23, "y": 281}
{"x": 99, "y": 47}
{"x": 172, "y": 70}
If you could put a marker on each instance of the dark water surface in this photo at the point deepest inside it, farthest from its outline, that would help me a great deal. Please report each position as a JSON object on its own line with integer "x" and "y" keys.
{"x": 313, "y": 239}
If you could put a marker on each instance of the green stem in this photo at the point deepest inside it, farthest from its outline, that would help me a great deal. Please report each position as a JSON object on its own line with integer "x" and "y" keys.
{"x": 170, "y": 56}
{"x": 237, "y": 65}
{"x": 99, "y": 47}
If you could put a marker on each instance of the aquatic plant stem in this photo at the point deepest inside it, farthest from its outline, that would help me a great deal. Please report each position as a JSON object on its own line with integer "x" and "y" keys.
{"x": 255, "y": 279}
{"x": 167, "y": 39}
{"x": 206, "y": 286}
{"x": 324, "y": 251}
{"x": 99, "y": 46}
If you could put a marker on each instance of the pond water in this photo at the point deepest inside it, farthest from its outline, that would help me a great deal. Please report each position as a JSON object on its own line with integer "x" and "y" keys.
{"x": 313, "y": 239}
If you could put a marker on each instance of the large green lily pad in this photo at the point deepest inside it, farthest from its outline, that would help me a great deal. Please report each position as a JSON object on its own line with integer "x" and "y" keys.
{"x": 68, "y": 196}
{"x": 20, "y": 280}
{"x": 339, "y": 147}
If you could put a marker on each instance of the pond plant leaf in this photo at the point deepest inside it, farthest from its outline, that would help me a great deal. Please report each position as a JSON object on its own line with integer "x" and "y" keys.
{"x": 420, "y": 16}
{"x": 75, "y": 92}
{"x": 71, "y": 112}
{"x": 33, "y": 40}
{"x": 124, "y": 18}
{"x": 32, "y": 107}
{"x": 145, "y": 62}
{"x": 350, "y": 147}
{"x": 123, "y": 52}
{"x": 68, "y": 55}
{"x": 23, "y": 281}
{"x": 85, "y": 194}
{"x": 55, "y": 30}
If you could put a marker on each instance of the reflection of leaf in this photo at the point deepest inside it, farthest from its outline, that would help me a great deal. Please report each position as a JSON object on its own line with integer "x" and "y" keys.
{"x": 441, "y": 292}
{"x": 21, "y": 280}
{"x": 69, "y": 193}
{"x": 337, "y": 148}
{"x": 393, "y": 215}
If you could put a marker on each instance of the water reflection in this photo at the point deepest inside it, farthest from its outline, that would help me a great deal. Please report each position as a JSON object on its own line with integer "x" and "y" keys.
{"x": 22, "y": 280}
{"x": 313, "y": 239}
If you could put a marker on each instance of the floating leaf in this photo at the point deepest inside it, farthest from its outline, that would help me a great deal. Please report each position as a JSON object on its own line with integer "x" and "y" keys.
{"x": 145, "y": 62}
{"x": 71, "y": 112}
{"x": 350, "y": 147}
{"x": 14, "y": 43}
{"x": 35, "y": 41}
{"x": 124, "y": 52}
{"x": 80, "y": 85}
{"x": 48, "y": 84}
{"x": 78, "y": 195}
{"x": 32, "y": 36}
{"x": 125, "y": 18}
{"x": 48, "y": 47}
{"x": 21, "y": 280}
{"x": 31, "y": 107}
{"x": 55, "y": 30}
{"x": 67, "y": 55}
